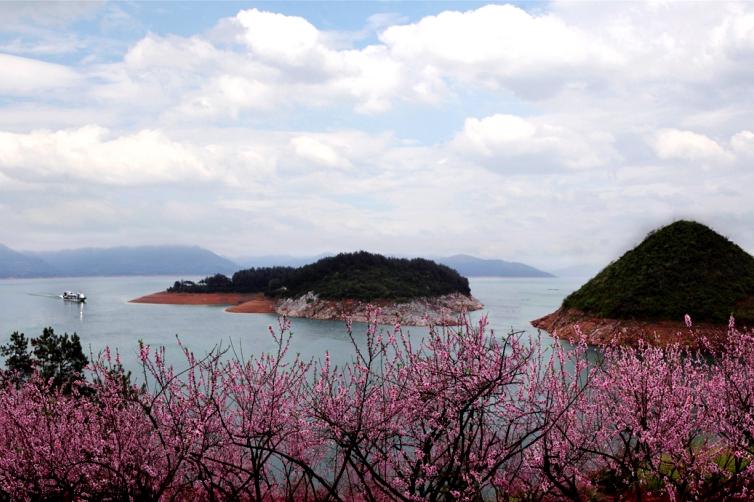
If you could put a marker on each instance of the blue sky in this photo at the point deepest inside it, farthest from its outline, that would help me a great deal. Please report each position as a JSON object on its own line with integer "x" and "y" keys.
{"x": 125, "y": 22}
{"x": 553, "y": 133}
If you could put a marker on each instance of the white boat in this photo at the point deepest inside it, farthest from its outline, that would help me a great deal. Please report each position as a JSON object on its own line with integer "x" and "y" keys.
{"x": 71, "y": 296}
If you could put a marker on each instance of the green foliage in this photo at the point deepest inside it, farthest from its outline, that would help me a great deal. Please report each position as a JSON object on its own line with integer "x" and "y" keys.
{"x": 268, "y": 280}
{"x": 682, "y": 268}
{"x": 217, "y": 283}
{"x": 58, "y": 359}
{"x": 366, "y": 276}
{"x": 360, "y": 276}
{"x": 17, "y": 357}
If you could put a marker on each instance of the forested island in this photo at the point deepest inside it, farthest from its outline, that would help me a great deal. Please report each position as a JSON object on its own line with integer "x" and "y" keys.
{"x": 357, "y": 276}
{"x": 413, "y": 291}
{"x": 682, "y": 268}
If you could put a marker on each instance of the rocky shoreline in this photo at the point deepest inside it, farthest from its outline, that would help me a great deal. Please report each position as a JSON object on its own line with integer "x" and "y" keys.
{"x": 440, "y": 310}
{"x": 599, "y": 331}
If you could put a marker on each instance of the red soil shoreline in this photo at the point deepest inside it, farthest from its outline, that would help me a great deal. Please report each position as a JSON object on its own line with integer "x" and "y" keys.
{"x": 258, "y": 305}
{"x": 602, "y": 331}
{"x": 248, "y": 303}
{"x": 418, "y": 312}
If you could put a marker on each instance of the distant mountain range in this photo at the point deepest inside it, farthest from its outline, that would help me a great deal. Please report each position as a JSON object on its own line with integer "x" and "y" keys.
{"x": 471, "y": 266}
{"x": 193, "y": 260}
{"x": 15, "y": 264}
{"x": 465, "y": 265}
{"x": 282, "y": 260}
{"x": 577, "y": 271}
{"x": 142, "y": 260}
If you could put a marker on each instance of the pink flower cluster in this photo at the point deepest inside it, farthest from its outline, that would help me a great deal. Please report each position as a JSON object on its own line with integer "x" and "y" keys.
{"x": 460, "y": 414}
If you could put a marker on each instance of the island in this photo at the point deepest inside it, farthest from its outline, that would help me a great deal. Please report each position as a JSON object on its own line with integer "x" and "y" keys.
{"x": 682, "y": 268}
{"x": 414, "y": 292}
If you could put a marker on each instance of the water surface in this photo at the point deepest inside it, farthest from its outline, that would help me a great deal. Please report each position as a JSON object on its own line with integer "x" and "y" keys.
{"x": 107, "y": 319}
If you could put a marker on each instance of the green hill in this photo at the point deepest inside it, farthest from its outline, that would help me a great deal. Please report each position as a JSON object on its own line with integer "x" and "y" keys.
{"x": 359, "y": 276}
{"x": 682, "y": 268}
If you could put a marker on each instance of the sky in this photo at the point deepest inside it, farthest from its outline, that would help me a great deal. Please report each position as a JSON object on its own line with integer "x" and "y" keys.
{"x": 552, "y": 133}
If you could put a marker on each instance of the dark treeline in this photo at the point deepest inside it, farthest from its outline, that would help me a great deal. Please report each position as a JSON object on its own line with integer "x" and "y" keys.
{"x": 360, "y": 276}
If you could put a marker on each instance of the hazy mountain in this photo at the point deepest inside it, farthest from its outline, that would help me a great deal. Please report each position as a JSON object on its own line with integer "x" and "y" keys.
{"x": 142, "y": 260}
{"x": 466, "y": 265}
{"x": 471, "y": 266}
{"x": 193, "y": 260}
{"x": 278, "y": 260}
{"x": 15, "y": 264}
{"x": 577, "y": 271}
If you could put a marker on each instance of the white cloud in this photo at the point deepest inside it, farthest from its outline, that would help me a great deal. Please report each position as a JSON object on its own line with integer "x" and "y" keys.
{"x": 315, "y": 71}
{"x": 539, "y": 133}
{"x": 573, "y": 49}
{"x": 227, "y": 96}
{"x": 490, "y": 133}
{"x": 51, "y": 45}
{"x": 736, "y": 35}
{"x": 283, "y": 39}
{"x": 315, "y": 151}
{"x": 72, "y": 214}
{"x": 743, "y": 143}
{"x": 285, "y": 62}
{"x": 24, "y": 76}
{"x": 501, "y": 33}
{"x": 502, "y": 45}
{"x": 670, "y": 144}
{"x": 170, "y": 52}
{"x": 90, "y": 153}
{"x": 15, "y": 15}
{"x": 537, "y": 143}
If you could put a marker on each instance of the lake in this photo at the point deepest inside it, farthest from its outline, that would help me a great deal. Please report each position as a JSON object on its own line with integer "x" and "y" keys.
{"x": 107, "y": 319}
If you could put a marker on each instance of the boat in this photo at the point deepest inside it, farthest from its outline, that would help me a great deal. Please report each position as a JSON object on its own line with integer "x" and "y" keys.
{"x": 71, "y": 296}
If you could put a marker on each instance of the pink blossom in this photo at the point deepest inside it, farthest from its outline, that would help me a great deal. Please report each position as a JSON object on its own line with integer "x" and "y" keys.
{"x": 458, "y": 414}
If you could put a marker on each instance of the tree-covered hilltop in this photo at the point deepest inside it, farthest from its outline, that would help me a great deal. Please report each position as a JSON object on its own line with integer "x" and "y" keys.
{"x": 359, "y": 276}
{"x": 684, "y": 267}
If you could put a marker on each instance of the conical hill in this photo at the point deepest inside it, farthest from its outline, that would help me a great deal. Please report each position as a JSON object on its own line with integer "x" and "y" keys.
{"x": 681, "y": 268}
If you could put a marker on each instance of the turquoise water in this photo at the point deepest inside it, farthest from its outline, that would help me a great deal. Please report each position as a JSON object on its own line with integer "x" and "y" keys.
{"x": 107, "y": 319}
